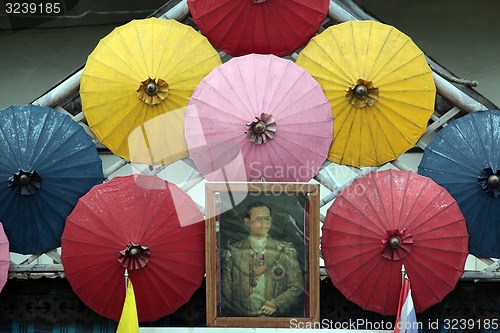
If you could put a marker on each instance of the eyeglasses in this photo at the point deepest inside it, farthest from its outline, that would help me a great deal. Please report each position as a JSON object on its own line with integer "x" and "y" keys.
{"x": 262, "y": 219}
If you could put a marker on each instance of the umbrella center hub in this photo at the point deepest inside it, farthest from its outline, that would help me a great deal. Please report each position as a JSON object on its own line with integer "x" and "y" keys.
{"x": 25, "y": 182}
{"x": 494, "y": 181}
{"x": 134, "y": 252}
{"x": 152, "y": 91}
{"x": 24, "y": 179}
{"x": 394, "y": 242}
{"x": 362, "y": 93}
{"x": 134, "y": 256}
{"x": 490, "y": 181}
{"x": 151, "y": 88}
{"x": 262, "y": 129}
{"x": 259, "y": 127}
{"x": 397, "y": 245}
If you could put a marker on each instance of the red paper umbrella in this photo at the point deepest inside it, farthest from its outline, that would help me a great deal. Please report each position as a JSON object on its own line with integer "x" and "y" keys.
{"x": 139, "y": 223}
{"x": 242, "y": 27}
{"x": 387, "y": 219}
{"x": 4, "y": 258}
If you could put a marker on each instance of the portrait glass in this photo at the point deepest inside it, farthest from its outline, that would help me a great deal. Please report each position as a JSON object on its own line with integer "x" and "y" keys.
{"x": 262, "y": 253}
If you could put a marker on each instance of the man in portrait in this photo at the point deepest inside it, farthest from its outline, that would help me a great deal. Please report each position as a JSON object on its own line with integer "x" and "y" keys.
{"x": 260, "y": 275}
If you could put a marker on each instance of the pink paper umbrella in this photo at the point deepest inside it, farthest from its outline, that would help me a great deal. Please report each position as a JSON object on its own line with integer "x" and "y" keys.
{"x": 258, "y": 117}
{"x": 4, "y": 258}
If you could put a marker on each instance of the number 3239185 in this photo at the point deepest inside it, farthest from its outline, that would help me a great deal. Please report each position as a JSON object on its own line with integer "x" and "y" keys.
{"x": 468, "y": 324}
{"x": 26, "y": 8}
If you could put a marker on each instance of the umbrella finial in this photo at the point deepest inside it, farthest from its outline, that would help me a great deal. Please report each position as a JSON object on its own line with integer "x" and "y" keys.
{"x": 134, "y": 256}
{"x": 490, "y": 181}
{"x": 362, "y": 93}
{"x": 395, "y": 241}
{"x": 25, "y": 182}
{"x": 152, "y": 91}
{"x": 494, "y": 181}
{"x": 151, "y": 88}
{"x": 262, "y": 129}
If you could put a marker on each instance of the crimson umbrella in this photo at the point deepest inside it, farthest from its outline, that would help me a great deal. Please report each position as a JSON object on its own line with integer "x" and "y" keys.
{"x": 4, "y": 258}
{"x": 388, "y": 219}
{"x": 265, "y": 109}
{"x": 145, "y": 225}
{"x": 258, "y": 26}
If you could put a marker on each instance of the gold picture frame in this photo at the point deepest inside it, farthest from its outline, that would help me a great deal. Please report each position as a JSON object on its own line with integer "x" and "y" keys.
{"x": 294, "y": 228}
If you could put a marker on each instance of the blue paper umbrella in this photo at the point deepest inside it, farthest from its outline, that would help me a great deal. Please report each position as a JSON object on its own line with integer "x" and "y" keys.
{"x": 464, "y": 157}
{"x": 47, "y": 162}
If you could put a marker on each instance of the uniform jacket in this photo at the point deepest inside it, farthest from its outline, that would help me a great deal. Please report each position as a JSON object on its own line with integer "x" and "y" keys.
{"x": 284, "y": 280}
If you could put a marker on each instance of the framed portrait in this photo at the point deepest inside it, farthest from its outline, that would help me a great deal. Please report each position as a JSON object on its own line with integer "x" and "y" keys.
{"x": 262, "y": 254}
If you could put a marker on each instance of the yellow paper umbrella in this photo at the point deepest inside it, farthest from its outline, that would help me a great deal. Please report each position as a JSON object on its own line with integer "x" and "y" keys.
{"x": 135, "y": 75}
{"x": 380, "y": 88}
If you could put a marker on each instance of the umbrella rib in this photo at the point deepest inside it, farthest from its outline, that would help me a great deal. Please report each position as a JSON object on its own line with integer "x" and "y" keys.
{"x": 282, "y": 162}
{"x": 424, "y": 265}
{"x": 48, "y": 228}
{"x": 373, "y": 260}
{"x": 210, "y": 10}
{"x": 371, "y": 142}
{"x": 53, "y": 142}
{"x": 493, "y": 129}
{"x": 265, "y": 27}
{"x": 107, "y": 208}
{"x": 376, "y": 60}
{"x": 396, "y": 127}
{"x": 417, "y": 196}
{"x": 236, "y": 12}
{"x": 466, "y": 166}
{"x": 368, "y": 218}
{"x": 235, "y": 115}
{"x": 189, "y": 70}
{"x": 17, "y": 160}
{"x": 181, "y": 60}
{"x": 480, "y": 138}
{"x": 276, "y": 90}
{"x": 422, "y": 223}
{"x": 152, "y": 227}
{"x": 380, "y": 196}
{"x": 390, "y": 31}
{"x": 375, "y": 239}
{"x": 341, "y": 75}
{"x": 138, "y": 119}
{"x": 249, "y": 106}
{"x": 350, "y": 115}
{"x": 126, "y": 69}
{"x": 89, "y": 70}
{"x": 347, "y": 59}
{"x": 473, "y": 163}
{"x": 50, "y": 134}
{"x": 401, "y": 66}
{"x": 299, "y": 80}
{"x": 382, "y": 99}
{"x": 64, "y": 162}
{"x": 367, "y": 50}
{"x": 227, "y": 13}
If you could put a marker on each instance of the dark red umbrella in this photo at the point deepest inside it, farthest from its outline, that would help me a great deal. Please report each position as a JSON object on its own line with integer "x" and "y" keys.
{"x": 242, "y": 27}
{"x": 139, "y": 223}
{"x": 387, "y": 219}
